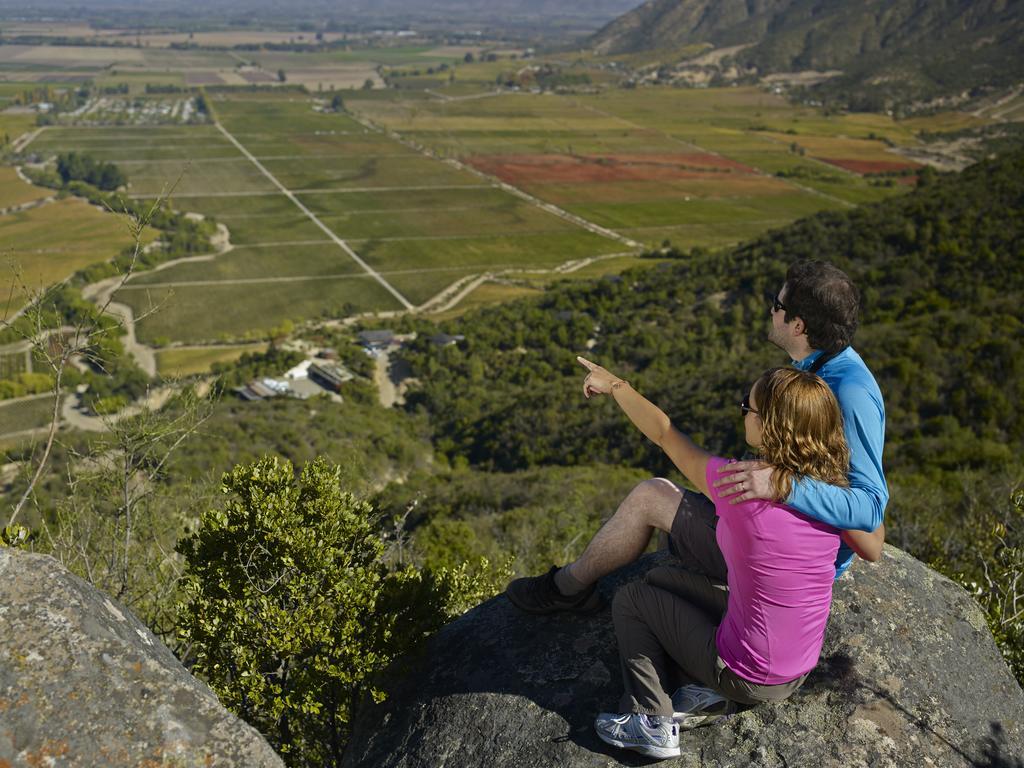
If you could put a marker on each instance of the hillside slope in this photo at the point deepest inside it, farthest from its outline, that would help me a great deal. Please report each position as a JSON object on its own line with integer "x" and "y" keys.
{"x": 900, "y": 49}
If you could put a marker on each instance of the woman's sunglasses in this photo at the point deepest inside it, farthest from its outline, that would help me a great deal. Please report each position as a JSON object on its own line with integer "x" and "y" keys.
{"x": 745, "y": 406}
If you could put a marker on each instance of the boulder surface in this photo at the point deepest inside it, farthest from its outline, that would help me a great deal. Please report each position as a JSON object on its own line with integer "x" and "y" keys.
{"x": 909, "y": 676}
{"x": 84, "y": 683}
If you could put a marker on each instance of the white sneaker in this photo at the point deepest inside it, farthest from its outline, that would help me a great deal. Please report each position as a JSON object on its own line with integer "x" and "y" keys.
{"x": 697, "y": 705}
{"x": 650, "y": 735}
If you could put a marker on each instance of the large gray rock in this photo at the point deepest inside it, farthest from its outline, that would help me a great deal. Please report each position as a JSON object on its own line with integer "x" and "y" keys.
{"x": 85, "y": 683}
{"x": 909, "y": 676}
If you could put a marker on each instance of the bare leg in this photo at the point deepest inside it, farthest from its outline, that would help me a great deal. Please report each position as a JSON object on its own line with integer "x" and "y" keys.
{"x": 650, "y": 506}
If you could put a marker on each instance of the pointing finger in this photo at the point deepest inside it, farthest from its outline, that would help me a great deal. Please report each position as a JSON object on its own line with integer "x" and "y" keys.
{"x": 585, "y": 363}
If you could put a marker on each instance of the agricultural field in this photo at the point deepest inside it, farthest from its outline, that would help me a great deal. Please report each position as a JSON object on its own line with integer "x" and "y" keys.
{"x": 416, "y": 223}
{"x": 649, "y": 180}
{"x": 188, "y": 361}
{"x": 46, "y": 244}
{"x": 25, "y": 414}
{"x": 15, "y": 191}
{"x": 404, "y": 194}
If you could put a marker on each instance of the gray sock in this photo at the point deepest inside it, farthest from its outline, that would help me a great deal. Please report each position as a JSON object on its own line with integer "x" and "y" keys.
{"x": 568, "y": 584}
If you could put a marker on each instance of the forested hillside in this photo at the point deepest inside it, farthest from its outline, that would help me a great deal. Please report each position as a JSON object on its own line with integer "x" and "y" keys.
{"x": 885, "y": 48}
{"x": 943, "y": 288}
{"x": 941, "y": 274}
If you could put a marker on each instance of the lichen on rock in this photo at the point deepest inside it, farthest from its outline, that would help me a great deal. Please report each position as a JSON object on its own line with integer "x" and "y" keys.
{"x": 84, "y": 683}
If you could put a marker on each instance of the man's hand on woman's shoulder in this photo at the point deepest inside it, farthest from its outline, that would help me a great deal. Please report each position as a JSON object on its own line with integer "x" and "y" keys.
{"x": 745, "y": 480}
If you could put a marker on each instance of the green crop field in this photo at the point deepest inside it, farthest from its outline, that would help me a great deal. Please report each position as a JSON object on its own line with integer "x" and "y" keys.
{"x": 374, "y": 171}
{"x": 46, "y": 244}
{"x": 485, "y": 295}
{"x": 333, "y": 203}
{"x": 25, "y": 413}
{"x": 485, "y": 253}
{"x": 266, "y": 261}
{"x": 14, "y": 191}
{"x": 14, "y": 125}
{"x": 192, "y": 360}
{"x": 249, "y": 310}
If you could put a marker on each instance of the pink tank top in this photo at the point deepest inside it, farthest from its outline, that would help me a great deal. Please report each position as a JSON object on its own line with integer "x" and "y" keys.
{"x": 781, "y": 571}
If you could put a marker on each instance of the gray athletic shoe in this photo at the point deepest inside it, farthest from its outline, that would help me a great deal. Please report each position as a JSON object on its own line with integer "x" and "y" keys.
{"x": 538, "y": 594}
{"x": 697, "y": 705}
{"x": 649, "y": 735}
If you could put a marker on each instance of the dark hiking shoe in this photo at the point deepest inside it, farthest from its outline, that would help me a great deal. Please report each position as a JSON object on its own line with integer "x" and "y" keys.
{"x": 538, "y": 594}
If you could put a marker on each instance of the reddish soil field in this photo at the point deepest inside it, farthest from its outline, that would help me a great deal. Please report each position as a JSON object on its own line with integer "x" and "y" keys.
{"x": 871, "y": 166}
{"x": 571, "y": 169}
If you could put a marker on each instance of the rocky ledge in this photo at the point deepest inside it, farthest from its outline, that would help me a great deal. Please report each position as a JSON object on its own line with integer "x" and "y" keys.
{"x": 84, "y": 683}
{"x": 909, "y": 676}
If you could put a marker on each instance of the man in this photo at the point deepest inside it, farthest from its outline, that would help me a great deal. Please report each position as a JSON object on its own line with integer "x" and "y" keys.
{"x": 813, "y": 318}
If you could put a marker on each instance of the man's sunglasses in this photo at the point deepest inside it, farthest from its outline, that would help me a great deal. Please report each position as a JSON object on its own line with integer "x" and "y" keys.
{"x": 776, "y": 304}
{"x": 745, "y": 406}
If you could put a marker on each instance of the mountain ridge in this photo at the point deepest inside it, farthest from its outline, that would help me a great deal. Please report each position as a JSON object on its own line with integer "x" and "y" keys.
{"x": 888, "y": 50}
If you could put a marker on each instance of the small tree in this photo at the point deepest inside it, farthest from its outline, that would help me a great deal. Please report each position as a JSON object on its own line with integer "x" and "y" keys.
{"x": 368, "y": 84}
{"x": 290, "y": 605}
{"x": 281, "y": 76}
{"x": 337, "y": 103}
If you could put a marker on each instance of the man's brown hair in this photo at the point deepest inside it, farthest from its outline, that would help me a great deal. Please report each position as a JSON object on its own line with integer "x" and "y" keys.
{"x": 827, "y": 301}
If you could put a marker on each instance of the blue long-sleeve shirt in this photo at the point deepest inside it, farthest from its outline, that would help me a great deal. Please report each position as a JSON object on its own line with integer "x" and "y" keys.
{"x": 862, "y": 505}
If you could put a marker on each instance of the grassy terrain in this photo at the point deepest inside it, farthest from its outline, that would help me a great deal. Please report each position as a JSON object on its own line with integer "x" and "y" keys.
{"x": 485, "y": 295}
{"x": 249, "y": 310}
{"x": 189, "y": 361}
{"x": 25, "y": 413}
{"x": 13, "y": 126}
{"x": 14, "y": 191}
{"x": 321, "y": 260}
{"x": 45, "y": 244}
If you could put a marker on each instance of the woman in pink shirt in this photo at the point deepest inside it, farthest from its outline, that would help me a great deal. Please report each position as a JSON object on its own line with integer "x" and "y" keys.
{"x": 756, "y": 637}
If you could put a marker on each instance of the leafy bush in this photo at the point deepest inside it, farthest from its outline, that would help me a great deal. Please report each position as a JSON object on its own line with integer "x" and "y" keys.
{"x": 291, "y": 607}
{"x": 72, "y": 166}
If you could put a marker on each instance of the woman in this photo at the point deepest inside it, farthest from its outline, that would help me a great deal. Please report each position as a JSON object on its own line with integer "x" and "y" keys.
{"x": 755, "y": 638}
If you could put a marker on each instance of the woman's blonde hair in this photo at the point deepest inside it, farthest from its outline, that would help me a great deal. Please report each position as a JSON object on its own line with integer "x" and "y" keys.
{"x": 801, "y": 429}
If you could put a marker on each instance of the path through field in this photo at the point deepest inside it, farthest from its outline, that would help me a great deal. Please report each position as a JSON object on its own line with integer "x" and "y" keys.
{"x": 312, "y": 217}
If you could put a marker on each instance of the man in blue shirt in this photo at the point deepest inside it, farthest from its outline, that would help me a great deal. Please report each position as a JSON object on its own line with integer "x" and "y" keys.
{"x": 813, "y": 318}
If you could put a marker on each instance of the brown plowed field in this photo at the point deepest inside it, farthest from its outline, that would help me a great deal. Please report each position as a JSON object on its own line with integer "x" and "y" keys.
{"x": 570, "y": 169}
{"x": 865, "y": 167}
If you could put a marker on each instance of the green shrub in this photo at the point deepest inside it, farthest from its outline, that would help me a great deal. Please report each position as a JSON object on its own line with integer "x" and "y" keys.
{"x": 290, "y": 606}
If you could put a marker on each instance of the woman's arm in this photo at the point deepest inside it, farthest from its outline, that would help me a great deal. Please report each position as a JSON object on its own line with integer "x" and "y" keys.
{"x": 691, "y": 459}
{"x": 866, "y": 545}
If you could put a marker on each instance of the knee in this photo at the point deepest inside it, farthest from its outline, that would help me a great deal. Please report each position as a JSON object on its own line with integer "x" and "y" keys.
{"x": 654, "y": 501}
{"x": 625, "y": 601}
